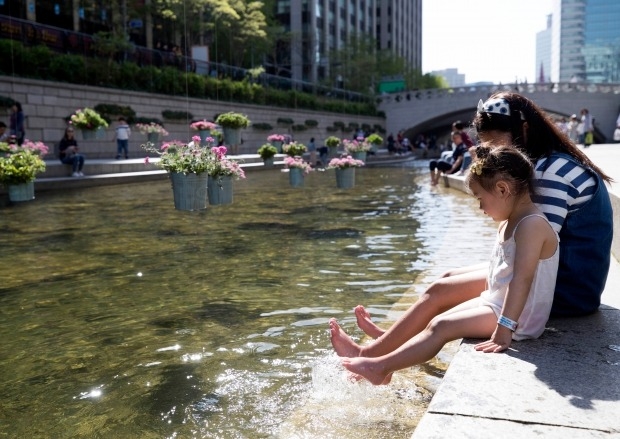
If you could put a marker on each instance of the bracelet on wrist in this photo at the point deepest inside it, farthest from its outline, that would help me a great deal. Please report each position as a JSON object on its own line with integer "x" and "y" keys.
{"x": 507, "y": 323}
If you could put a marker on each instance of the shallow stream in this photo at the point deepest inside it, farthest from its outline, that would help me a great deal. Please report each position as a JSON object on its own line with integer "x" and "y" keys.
{"x": 123, "y": 318}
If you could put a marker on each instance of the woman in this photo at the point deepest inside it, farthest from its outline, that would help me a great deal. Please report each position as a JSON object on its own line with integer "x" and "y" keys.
{"x": 68, "y": 152}
{"x": 16, "y": 123}
{"x": 570, "y": 191}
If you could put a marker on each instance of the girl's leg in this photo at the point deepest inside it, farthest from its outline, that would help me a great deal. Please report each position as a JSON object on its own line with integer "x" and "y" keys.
{"x": 470, "y": 320}
{"x": 443, "y": 294}
{"x": 365, "y": 322}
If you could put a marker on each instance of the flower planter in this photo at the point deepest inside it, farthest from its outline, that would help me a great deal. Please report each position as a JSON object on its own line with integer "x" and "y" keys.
{"x": 152, "y": 137}
{"x": 189, "y": 190}
{"x": 21, "y": 192}
{"x": 345, "y": 178}
{"x": 232, "y": 136}
{"x": 333, "y": 152}
{"x": 278, "y": 145}
{"x": 268, "y": 162}
{"x": 220, "y": 189}
{"x": 296, "y": 177}
{"x": 359, "y": 155}
{"x": 203, "y": 134}
{"x": 89, "y": 134}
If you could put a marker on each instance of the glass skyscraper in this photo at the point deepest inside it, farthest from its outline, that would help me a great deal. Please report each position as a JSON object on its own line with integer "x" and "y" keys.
{"x": 586, "y": 41}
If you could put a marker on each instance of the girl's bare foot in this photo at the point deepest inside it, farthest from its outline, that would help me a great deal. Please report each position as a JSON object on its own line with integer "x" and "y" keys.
{"x": 366, "y": 324}
{"x": 368, "y": 368}
{"x": 342, "y": 343}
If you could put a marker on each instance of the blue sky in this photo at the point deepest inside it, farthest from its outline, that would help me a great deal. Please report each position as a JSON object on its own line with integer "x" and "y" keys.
{"x": 487, "y": 40}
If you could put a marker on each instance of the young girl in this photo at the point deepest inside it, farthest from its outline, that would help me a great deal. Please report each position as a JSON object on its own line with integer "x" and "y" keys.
{"x": 520, "y": 282}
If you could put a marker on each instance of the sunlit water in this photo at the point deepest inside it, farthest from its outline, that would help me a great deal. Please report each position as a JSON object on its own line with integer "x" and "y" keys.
{"x": 124, "y": 318}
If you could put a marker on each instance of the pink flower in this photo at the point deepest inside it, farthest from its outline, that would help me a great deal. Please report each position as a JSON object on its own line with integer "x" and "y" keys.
{"x": 146, "y": 160}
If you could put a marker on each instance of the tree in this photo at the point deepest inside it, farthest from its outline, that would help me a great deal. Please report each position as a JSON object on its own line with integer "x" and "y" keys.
{"x": 361, "y": 66}
{"x": 238, "y": 26}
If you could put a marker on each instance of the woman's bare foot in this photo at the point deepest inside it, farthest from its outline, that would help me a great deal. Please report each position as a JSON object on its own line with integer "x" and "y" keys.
{"x": 368, "y": 368}
{"x": 342, "y": 343}
{"x": 366, "y": 324}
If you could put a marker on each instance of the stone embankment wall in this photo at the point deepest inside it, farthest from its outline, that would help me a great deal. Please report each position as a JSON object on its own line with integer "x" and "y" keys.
{"x": 47, "y": 104}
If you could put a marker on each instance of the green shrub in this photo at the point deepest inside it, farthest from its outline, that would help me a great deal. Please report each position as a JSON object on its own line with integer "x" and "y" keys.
{"x": 177, "y": 115}
{"x": 262, "y": 126}
{"x": 311, "y": 123}
{"x": 147, "y": 120}
{"x": 6, "y": 102}
{"x": 195, "y": 85}
{"x": 112, "y": 111}
{"x": 299, "y": 127}
{"x": 285, "y": 121}
{"x": 339, "y": 124}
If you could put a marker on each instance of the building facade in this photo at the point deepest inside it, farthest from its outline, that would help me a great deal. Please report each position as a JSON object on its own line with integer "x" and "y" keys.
{"x": 543, "y": 53}
{"x": 585, "y": 41}
{"x": 452, "y": 77}
{"x": 319, "y": 27}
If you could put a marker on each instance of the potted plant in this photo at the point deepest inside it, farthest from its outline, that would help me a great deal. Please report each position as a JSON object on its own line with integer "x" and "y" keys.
{"x": 294, "y": 149}
{"x": 152, "y": 130}
{"x": 204, "y": 128}
{"x": 375, "y": 140}
{"x": 276, "y": 140}
{"x": 297, "y": 168}
{"x": 19, "y": 166}
{"x": 188, "y": 165}
{"x": 267, "y": 153}
{"x": 345, "y": 170}
{"x": 332, "y": 143}
{"x": 88, "y": 121}
{"x": 222, "y": 172}
{"x": 358, "y": 148}
{"x": 231, "y": 124}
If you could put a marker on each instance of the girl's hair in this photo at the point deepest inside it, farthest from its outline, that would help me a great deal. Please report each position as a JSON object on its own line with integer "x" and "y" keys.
{"x": 541, "y": 137}
{"x": 504, "y": 162}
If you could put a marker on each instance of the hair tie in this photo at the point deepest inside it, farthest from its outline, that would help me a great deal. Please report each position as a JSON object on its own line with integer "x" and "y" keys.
{"x": 477, "y": 166}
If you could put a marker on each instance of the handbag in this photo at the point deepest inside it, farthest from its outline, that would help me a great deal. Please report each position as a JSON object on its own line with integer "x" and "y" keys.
{"x": 589, "y": 140}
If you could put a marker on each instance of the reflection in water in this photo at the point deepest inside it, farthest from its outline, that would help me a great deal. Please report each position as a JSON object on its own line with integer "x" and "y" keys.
{"x": 122, "y": 317}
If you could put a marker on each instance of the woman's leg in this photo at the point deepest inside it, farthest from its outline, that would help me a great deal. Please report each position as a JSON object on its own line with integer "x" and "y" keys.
{"x": 80, "y": 162}
{"x": 441, "y": 295}
{"x": 470, "y": 320}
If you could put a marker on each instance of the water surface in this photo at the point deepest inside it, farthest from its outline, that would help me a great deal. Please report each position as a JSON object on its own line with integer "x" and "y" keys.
{"x": 122, "y": 317}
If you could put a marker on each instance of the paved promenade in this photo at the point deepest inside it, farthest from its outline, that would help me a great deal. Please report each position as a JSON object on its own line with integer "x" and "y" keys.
{"x": 564, "y": 385}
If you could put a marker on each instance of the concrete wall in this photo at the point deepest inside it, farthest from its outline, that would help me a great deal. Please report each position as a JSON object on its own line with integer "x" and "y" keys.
{"x": 46, "y": 104}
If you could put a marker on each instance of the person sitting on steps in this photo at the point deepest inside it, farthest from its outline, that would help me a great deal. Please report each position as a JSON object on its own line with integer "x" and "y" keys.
{"x": 68, "y": 152}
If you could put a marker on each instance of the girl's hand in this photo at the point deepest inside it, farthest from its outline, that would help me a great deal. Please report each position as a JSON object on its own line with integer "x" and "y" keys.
{"x": 500, "y": 341}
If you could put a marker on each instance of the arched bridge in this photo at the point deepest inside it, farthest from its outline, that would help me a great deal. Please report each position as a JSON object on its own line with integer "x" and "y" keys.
{"x": 433, "y": 111}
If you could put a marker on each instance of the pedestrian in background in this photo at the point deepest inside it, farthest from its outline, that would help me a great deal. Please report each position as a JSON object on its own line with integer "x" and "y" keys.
{"x": 121, "y": 136}
{"x": 16, "y": 123}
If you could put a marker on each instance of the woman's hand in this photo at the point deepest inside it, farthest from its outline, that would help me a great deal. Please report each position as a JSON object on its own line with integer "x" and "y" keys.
{"x": 500, "y": 341}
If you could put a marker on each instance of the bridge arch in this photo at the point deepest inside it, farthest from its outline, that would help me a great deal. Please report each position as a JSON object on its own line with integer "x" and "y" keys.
{"x": 433, "y": 111}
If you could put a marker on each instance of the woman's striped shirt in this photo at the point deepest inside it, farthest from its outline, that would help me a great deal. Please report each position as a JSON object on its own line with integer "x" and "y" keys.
{"x": 562, "y": 187}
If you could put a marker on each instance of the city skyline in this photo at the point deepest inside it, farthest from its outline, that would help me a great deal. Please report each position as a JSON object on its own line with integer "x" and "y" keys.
{"x": 453, "y": 31}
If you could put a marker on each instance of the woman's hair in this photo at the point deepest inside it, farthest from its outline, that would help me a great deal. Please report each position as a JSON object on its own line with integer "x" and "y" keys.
{"x": 504, "y": 162}
{"x": 539, "y": 139}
